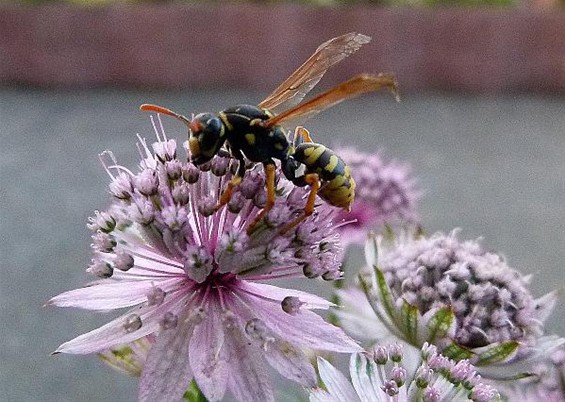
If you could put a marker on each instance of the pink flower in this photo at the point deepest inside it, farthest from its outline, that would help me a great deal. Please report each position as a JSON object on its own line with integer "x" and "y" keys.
{"x": 386, "y": 194}
{"x": 190, "y": 279}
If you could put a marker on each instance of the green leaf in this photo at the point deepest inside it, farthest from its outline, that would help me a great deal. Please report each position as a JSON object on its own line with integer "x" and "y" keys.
{"x": 193, "y": 394}
{"x": 386, "y": 296}
{"x": 124, "y": 360}
{"x": 409, "y": 317}
{"x": 457, "y": 352}
{"x": 497, "y": 353}
{"x": 440, "y": 324}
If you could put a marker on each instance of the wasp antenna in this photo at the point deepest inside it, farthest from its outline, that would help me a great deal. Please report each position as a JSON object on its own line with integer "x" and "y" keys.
{"x": 146, "y": 107}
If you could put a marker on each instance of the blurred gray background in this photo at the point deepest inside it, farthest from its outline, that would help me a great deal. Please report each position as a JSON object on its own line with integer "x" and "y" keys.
{"x": 493, "y": 166}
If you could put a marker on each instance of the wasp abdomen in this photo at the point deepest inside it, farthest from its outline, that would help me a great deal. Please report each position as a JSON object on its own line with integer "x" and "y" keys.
{"x": 338, "y": 187}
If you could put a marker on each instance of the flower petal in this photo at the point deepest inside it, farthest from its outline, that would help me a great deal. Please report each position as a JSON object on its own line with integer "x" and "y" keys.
{"x": 275, "y": 293}
{"x": 497, "y": 353}
{"x": 110, "y": 295}
{"x": 248, "y": 380}
{"x": 357, "y": 317}
{"x": 114, "y": 333}
{"x": 207, "y": 358}
{"x": 167, "y": 371}
{"x": 546, "y": 303}
{"x": 439, "y": 323}
{"x": 291, "y": 363}
{"x": 304, "y": 328}
{"x": 409, "y": 320}
{"x": 319, "y": 395}
{"x": 336, "y": 383}
{"x": 108, "y": 335}
{"x": 371, "y": 250}
{"x": 363, "y": 377}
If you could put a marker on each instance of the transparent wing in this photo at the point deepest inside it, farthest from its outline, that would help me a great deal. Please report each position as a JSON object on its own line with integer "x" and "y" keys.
{"x": 352, "y": 88}
{"x": 329, "y": 53}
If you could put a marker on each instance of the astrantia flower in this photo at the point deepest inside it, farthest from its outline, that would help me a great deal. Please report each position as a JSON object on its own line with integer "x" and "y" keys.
{"x": 188, "y": 275}
{"x": 386, "y": 194}
{"x": 456, "y": 295}
{"x": 381, "y": 376}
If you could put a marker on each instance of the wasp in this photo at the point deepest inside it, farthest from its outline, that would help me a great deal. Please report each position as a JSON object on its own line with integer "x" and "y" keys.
{"x": 256, "y": 133}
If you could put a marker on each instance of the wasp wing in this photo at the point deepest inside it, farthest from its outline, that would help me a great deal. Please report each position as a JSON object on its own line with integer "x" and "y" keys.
{"x": 352, "y": 88}
{"x": 329, "y": 53}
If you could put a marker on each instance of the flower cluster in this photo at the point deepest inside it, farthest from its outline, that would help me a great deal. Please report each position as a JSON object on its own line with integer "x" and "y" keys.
{"x": 386, "y": 194}
{"x": 188, "y": 274}
{"x": 451, "y": 293}
{"x": 381, "y": 375}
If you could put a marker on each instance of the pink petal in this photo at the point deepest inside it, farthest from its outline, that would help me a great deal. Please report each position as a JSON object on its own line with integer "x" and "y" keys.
{"x": 248, "y": 380}
{"x": 291, "y": 363}
{"x": 278, "y": 294}
{"x": 104, "y": 337}
{"x": 206, "y": 358}
{"x": 110, "y": 295}
{"x": 305, "y": 328}
{"x": 114, "y": 333}
{"x": 167, "y": 372}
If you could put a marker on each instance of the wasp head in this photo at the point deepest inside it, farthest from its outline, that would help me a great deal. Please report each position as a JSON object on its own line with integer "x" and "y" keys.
{"x": 206, "y": 137}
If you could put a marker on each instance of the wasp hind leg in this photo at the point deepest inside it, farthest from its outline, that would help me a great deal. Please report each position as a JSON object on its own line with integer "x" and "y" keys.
{"x": 270, "y": 168}
{"x": 313, "y": 180}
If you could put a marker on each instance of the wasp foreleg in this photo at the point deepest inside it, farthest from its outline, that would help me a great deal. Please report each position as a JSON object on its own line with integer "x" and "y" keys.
{"x": 233, "y": 183}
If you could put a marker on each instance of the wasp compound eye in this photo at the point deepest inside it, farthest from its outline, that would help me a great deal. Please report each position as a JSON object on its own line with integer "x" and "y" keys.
{"x": 213, "y": 125}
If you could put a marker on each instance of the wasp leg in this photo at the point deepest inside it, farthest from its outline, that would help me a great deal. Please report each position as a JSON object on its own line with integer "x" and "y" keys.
{"x": 233, "y": 183}
{"x": 270, "y": 179}
{"x": 313, "y": 180}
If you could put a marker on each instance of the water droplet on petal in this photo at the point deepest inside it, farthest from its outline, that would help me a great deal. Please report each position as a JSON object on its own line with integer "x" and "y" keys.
{"x": 123, "y": 261}
{"x": 132, "y": 323}
{"x": 291, "y": 305}
{"x": 169, "y": 320}
{"x": 100, "y": 269}
{"x": 156, "y": 296}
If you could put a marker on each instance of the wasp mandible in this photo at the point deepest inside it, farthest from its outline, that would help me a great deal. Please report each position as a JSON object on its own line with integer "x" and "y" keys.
{"x": 256, "y": 133}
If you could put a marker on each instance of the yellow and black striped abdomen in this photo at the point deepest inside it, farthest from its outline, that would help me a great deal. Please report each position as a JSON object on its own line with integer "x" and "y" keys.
{"x": 338, "y": 186}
